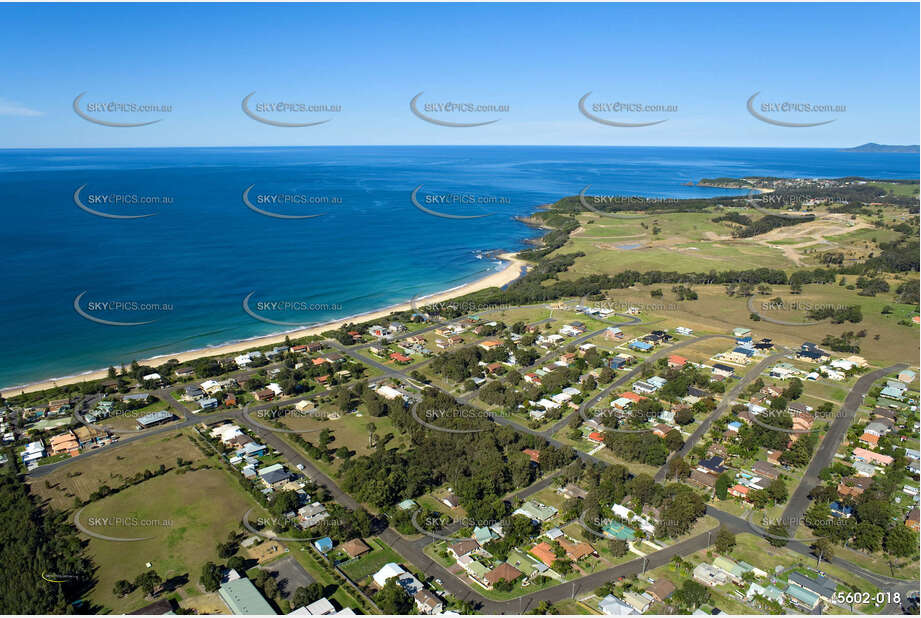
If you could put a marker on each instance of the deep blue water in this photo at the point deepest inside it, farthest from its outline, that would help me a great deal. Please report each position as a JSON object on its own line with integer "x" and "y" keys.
{"x": 203, "y": 253}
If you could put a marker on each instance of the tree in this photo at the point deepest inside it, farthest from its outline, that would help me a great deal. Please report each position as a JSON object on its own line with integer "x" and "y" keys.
{"x": 777, "y": 534}
{"x": 210, "y": 578}
{"x": 868, "y": 536}
{"x": 149, "y": 582}
{"x": 824, "y": 550}
{"x": 692, "y": 594}
{"x": 305, "y": 595}
{"x": 122, "y": 587}
{"x": 723, "y": 483}
{"x": 618, "y": 547}
{"x": 725, "y": 540}
{"x": 901, "y": 541}
{"x": 392, "y": 599}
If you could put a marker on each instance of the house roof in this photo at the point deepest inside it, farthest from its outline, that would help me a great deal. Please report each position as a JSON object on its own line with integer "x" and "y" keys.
{"x": 544, "y": 553}
{"x": 503, "y": 571}
{"x": 242, "y": 598}
{"x": 355, "y": 547}
{"x": 661, "y": 589}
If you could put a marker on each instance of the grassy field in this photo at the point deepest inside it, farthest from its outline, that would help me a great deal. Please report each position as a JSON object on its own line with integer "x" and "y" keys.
{"x": 110, "y": 466}
{"x": 185, "y": 516}
{"x": 715, "y": 311}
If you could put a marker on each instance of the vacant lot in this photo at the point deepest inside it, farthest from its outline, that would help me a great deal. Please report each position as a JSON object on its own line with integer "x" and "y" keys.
{"x": 182, "y": 517}
{"x": 111, "y": 465}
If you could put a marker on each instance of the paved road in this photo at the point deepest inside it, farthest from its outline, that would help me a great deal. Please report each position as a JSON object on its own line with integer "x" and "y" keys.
{"x": 825, "y": 451}
{"x": 725, "y": 403}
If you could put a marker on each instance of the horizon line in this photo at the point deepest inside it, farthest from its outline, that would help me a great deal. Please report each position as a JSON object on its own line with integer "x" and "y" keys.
{"x": 453, "y": 146}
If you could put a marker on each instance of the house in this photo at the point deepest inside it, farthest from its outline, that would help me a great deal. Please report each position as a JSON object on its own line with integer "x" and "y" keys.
{"x": 400, "y": 358}
{"x": 64, "y": 443}
{"x": 573, "y": 491}
{"x": 683, "y": 330}
{"x": 723, "y": 370}
{"x": 693, "y": 391}
{"x": 576, "y": 551}
{"x": 773, "y": 457}
{"x": 451, "y": 501}
{"x": 612, "y": 332}
{"x": 428, "y": 603}
{"x": 913, "y": 520}
{"x": 661, "y": 590}
{"x": 838, "y": 510}
{"x": 641, "y": 346}
{"x": 504, "y": 571}
{"x": 741, "y": 332}
{"x": 543, "y": 552}
{"x": 274, "y": 475}
{"x": 677, "y": 361}
{"x": 802, "y": 597}
{"x": 354, "y": 548}
{"x": 33, "y": 452}
{"x": 864, "y": 469}
{"x": 811, "y": 353}
{"x": 243, "y": 598}
{"x": 853, "y": 486}
{"x": 533, "y": 454}
{"x": 612, "y": 606}
{"x": 536, "y": 511}
{"x": 819, "y": 585}
{"x": 891, "y": 392}
{"x": 739, "y": 355}
{"x": 709, "y": 575}
{"x": 310, "y": 515}
{"x": 643, "y": 387}
{"x": 639, "y": 602}
{"x": 712, "y": 465}
{"x": 596, "y": 437}
{"x": 739, "y": 491}
{"x": 661, "y": 430}
{"x": 702, "y": 479}
{"x": 463, "y": 547}
{"x": 90, "y": 437}
{"x": 154, "y": 418}
{"x": 391, "y": 569}
{"x": 323, "y": 545}
{"x": 766, "y": 470}
{"x": 907, "y": 376}
{"x": 489, "y": 345}
{"x": 862, "y": 454}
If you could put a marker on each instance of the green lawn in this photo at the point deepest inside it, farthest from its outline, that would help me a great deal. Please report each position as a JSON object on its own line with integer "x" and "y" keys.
{"x": 184, "y": 516}
{"x": 370, "y": 563}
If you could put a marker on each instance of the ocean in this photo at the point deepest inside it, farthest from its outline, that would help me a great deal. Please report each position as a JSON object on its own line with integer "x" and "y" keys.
{"x": 181, "y": 275}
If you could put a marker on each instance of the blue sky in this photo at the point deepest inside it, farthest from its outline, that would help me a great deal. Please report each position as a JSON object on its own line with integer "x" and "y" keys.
{"x": 538, "y": 59}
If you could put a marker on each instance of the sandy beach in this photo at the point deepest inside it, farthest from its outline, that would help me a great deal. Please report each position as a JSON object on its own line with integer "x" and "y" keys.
{"x": 497, "y": 279}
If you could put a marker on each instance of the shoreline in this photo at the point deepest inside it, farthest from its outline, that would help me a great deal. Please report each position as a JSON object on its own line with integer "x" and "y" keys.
{"x": 512, "y": 271}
